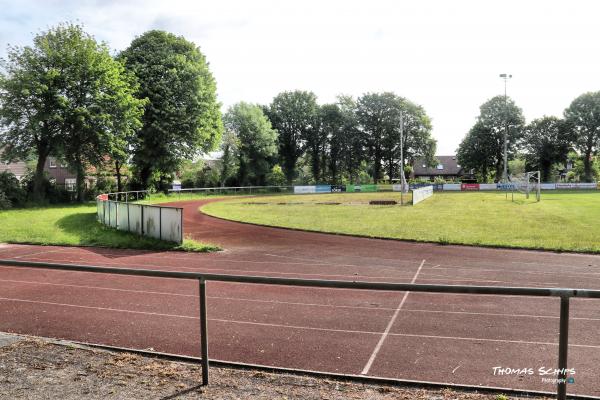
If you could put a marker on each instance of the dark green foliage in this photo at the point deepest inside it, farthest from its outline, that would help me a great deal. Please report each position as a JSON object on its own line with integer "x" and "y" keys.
{"x": 483, "y": 147}
{"x": 256, "y": 143}
{"x": 182, "y": 116}
{"x": 583, "y": 118}
{"x": 293, "y": 115}
{"x": 546, "y": 141}
{"x": 11, "y": 188}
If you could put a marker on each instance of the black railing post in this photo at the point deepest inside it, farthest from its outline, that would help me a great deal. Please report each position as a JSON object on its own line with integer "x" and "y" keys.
{"x": 563, "y": 346}
{"x": 203, "y": 331}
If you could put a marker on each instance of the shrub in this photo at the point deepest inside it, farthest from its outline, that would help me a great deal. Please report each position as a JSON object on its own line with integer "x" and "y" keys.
{"x": 5, "y": 203}
{"x": 11, "y": 188}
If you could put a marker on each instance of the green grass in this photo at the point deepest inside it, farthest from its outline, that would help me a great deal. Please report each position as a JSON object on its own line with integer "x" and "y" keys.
{"x": 564, "y": 221}
{"x": 76, "y": 225}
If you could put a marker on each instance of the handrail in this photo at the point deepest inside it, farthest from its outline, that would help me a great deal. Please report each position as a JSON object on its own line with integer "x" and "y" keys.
{"x": 563, "y": 293}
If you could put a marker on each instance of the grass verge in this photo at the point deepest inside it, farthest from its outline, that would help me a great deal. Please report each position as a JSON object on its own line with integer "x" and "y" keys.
{"x": 76, "y": 225}
{"x": 561, "y": 221}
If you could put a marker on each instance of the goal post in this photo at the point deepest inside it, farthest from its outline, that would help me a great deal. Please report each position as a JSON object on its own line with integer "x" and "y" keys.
{"x": 526, "y": 183}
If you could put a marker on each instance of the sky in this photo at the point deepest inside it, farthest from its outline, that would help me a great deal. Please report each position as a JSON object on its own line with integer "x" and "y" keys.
{"x": 444, "y": 55}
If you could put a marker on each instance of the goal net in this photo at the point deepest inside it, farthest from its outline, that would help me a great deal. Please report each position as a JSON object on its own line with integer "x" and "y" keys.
{"x": 527, "y": 183}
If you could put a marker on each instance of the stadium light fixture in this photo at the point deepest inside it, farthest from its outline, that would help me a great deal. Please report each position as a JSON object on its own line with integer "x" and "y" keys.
{"x": 506, "y": 77}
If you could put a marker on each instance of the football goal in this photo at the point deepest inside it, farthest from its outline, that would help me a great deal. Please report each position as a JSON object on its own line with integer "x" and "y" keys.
{"x": 527, "y": 183}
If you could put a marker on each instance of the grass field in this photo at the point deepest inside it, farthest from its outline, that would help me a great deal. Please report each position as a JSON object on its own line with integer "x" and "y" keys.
{"x": 567, "y": 221}
{"x": 77, "y": 225}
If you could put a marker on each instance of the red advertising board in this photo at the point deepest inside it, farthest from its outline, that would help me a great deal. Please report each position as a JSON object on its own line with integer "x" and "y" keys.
{"x": 469, "y": 186}
{"x": 102, "y": 197}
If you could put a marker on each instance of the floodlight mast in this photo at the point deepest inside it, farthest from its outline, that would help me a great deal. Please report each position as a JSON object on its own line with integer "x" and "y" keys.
{"x": 403, "y": 187}
{"x": 506, "y": 77}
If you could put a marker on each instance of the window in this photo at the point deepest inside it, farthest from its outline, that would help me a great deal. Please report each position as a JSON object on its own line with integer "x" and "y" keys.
{"x": 52, "y": 164}
{"x": 440, "y": 166}
{"x": 70, "y": 184}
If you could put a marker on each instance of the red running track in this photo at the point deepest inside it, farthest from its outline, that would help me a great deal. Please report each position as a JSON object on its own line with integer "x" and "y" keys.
{"x": 417, "y": 336}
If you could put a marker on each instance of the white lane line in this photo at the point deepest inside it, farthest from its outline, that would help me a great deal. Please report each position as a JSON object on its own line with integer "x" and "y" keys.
{"x": 300, "y": 327}
{"x": 295, "y": 303}
{"x": 389, "y": 326}
{"x": 204, "y": 269}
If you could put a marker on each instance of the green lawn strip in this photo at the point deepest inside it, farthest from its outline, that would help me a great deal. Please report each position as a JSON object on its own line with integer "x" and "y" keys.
{"x": 563, "y": 221}
{"x": 76, "y": 225}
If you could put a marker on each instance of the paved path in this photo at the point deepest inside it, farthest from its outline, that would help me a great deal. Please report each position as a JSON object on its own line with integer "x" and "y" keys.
{"x": 417, "y": 336}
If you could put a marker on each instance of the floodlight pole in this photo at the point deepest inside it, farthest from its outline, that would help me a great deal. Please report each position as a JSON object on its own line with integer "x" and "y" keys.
{"x": 402, "y": 177}
{"x": 506, "y": 77}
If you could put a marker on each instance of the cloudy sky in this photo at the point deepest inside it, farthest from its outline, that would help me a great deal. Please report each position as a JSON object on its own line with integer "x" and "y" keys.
{"x": 444, "y": 55}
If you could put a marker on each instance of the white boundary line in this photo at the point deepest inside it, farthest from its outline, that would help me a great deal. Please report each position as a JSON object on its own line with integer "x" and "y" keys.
{"x": 296, "y": 303}
{"x": 301, "y": 327}
{"x": 367, "y": 367}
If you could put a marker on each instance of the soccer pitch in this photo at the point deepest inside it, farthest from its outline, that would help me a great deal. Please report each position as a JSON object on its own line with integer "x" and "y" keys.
{"x": 564, "y": 221}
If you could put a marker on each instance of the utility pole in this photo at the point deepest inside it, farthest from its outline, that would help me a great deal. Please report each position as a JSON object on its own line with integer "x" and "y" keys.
{"x": 402, "y": 177}
{"x": 506, "y": 77}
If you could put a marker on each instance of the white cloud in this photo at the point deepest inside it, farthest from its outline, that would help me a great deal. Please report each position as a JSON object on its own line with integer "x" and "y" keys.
{"x": 443, "y": 55}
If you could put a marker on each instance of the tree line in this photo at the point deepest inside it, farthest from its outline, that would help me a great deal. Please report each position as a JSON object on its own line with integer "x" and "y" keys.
{"x": 545, "y": 144}
{"x": 151, "y": 109}
{"x": 296, "y": 139}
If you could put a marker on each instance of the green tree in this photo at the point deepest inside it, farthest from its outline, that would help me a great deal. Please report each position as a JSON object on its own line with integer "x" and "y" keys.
{"x": 379, "y": 115}
{"x": 546, "y": 142}
{"x": 79, "y": 97}
{"x": 483, "y": 147}
{"x": 332, "y": 128}
{"x": 293, "y": 115}
{"x": 351, "y": 140}
{"x": 229, "y": 163}
{"x": 257, "y": 142}
{"x": 182, "y": 117}
{"x": 30, "y": 103}
{"x": 379, "y": 119}
{"x": 583, "y": 118}
{"x": 478, "y": 150}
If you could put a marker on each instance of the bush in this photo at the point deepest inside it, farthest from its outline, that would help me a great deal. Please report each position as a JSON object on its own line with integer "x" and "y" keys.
{"x": 11, "y": 188}
{"x": 5, "y": 203}
{"x": 276, "y": 177}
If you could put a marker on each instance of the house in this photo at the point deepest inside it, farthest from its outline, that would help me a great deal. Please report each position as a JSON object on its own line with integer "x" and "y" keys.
{"x": 18, "y": 169}
{"x": 447, "y": 167}
{"x": 57, "y": 171}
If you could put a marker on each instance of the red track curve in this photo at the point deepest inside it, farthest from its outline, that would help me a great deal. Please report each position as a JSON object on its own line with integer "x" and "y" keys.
{"x": 443, "y": 338}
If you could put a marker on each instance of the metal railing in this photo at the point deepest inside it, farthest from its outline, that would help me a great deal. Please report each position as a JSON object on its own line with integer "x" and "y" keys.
{"x": 563, "y": 293}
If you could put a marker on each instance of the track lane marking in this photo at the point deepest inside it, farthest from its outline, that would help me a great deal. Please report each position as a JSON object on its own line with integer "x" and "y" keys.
{"x": 302, "y": 327}
{"x": 243, "y": 299}
{"x": 367, "y": 367}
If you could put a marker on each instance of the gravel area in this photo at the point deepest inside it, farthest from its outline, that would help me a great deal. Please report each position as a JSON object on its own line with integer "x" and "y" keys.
{"x": 33, "y": 368}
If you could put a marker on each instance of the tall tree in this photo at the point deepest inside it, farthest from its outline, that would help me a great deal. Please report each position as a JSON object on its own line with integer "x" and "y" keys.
{"x": 79, "y": 96}
{"x": 379, "y": 115}
{"x": 30, "y": 103}
{"x": 583, "y": 117}
{"x": 257, "y": 142}
{"x": 478, "y": 150}
{"x": 546, "y": 141}
{"x": 379, "y": 118}
{"x": 351, "y": 139}
{"x": 495, "y": 117}
{"x": 182, "y": 117}
{"x": 229, "y": 149}
{"x": 332, "y": 128}
{"x": 293, "y": 115}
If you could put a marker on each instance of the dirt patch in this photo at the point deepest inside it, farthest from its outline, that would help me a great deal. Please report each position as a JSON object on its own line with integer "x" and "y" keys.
{"x": 40, "y": 369}
{"x": 383, "y": 202}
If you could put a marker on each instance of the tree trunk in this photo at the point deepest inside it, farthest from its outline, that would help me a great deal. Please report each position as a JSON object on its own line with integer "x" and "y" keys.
{"x": 80, "y": 181}
{"x": 118, "y": 173}
{"x": 38, "y": 178}
{"x": 145, "y": 176}
{"x": 587, "y": 165}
